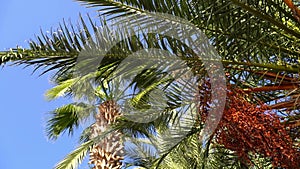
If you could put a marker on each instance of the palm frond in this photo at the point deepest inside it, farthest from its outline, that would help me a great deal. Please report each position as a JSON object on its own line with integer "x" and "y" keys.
{"x": 72, "y": 160}
{"x": 56, "y": 50}
{"x": 68, "y": 118}
{"x": 140, "y": 152}
{"x": 60, "y": 90}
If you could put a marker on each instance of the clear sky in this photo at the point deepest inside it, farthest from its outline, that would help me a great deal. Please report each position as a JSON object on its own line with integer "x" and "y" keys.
{"x": 23, "y": 108}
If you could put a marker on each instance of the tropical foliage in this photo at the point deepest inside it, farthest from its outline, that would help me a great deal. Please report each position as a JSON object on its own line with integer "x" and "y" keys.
{"x": 258, "y": 41}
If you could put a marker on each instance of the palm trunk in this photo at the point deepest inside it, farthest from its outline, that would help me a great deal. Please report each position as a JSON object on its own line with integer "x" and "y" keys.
{"x": 108, "y": 153}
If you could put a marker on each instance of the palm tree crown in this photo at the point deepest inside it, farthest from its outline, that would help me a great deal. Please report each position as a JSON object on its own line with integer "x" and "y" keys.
{"x": 258, "y": 45}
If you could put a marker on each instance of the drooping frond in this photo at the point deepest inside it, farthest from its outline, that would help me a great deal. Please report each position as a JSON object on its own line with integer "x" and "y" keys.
{"x": 56, "y": 50}
{"x": 67, "y": 118}
{"x": 60, "y": 90}
{"x": 72, "y": 160}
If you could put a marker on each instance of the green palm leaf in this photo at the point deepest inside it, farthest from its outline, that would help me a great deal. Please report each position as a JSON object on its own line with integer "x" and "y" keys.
{"x": 72, "y": 160}
{"x": 68, "y": 118}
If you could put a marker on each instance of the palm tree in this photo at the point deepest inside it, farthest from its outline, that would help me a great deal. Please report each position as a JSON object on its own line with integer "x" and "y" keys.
{"x": 258, "y": 43}
{"x": 107, "y": 154}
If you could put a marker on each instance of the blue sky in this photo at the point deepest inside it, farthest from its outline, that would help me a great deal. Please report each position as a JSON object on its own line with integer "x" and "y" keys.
{"x": 23, "y": 142}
